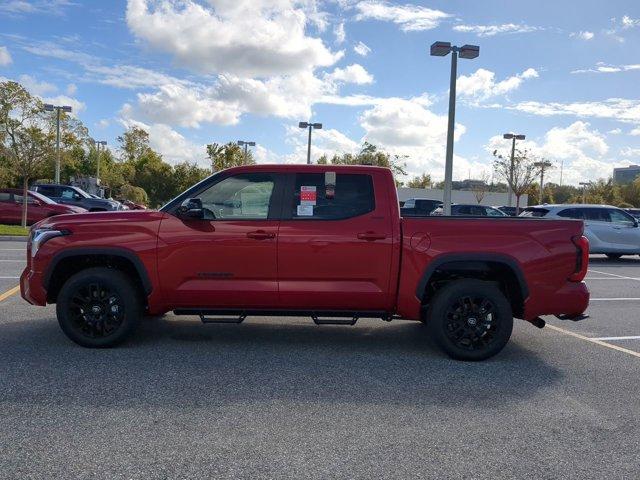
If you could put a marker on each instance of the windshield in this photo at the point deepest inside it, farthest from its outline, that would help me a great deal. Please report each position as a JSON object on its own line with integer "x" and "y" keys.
{"x": 41, "y": 197}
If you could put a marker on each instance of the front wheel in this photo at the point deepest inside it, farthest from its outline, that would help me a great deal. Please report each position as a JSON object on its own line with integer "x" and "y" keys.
{"x": 99, "y": 307}
{"x": 470, "y": 319}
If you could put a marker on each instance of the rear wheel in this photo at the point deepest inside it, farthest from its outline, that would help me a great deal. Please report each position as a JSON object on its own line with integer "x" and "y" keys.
{"x": 99, "y": 307}
{"x": 614, "y": 256}
{"x": 470, "y": 319}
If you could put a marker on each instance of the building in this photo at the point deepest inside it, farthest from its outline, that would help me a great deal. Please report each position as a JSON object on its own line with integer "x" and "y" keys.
{"x": 626, "y": 174}
{"x": 460, "y": 196}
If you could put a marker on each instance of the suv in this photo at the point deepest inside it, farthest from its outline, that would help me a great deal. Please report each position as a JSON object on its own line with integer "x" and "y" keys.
{"x": 610, "y": 230}
{"x": 419, "y": 207}
{"x": 69, "y": 195}
{"x": 471, "y": 210}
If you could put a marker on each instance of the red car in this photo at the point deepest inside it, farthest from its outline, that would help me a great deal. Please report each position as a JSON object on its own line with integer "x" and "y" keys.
{"x": 39, "y": 207}
{"x": 322, "y": 241}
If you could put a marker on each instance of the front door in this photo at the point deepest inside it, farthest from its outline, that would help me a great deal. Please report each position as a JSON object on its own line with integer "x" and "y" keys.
{"x": 228, "y": 259}
{"x": 335, "y": 243}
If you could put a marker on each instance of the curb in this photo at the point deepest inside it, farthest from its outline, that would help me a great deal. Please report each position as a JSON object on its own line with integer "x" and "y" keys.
{"x": 13, "y": 238}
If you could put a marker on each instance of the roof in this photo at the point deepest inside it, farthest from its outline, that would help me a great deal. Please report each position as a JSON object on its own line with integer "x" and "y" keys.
{"x": 307, "y": 168}
{"x": 570, "y": 205}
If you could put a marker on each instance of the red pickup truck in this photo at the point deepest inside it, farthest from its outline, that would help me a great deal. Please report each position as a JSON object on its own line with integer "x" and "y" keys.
{"x": 326, "y": 242}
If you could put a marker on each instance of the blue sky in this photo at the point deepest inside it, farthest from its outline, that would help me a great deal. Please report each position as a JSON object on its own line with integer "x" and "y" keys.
{"x": 193, "y": 72}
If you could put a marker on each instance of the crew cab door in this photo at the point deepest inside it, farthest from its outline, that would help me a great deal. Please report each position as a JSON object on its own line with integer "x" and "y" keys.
{"x": 335, "y": 243}
{"x": 228, "y": 259}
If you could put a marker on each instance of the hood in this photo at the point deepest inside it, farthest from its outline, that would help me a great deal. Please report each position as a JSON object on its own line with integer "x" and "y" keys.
{"x": 62, "y": 208}
{"x": 95, "y": 221}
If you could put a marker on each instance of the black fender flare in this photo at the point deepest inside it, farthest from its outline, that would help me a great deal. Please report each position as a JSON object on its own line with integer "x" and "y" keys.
{"x": 107, "y": 251}
{"x": 472, "y": 257}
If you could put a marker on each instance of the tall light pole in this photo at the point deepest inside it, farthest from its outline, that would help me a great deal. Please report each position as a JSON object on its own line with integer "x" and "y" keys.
{"x": 543, "y": 165}
{"x": 310, "y": 126}
{"x": 584, "y": 186}
{"x": 64, "y": 108}
{"x": 246, "y": 145}
{"x": 441, "y": 49}
{"x": 513, "y": 137}
{"x": 98, "y": 143}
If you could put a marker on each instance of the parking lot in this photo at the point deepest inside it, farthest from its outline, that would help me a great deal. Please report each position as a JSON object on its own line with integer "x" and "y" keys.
{"x": 275, "y": 398}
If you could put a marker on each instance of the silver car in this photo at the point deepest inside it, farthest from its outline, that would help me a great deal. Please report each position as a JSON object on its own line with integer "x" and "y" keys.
{"x": 610, "y": 230}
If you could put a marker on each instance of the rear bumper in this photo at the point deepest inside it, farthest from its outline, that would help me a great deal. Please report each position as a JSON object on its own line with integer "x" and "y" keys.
{"x": 571, "y": 301}
{"x": 31, "y": 287}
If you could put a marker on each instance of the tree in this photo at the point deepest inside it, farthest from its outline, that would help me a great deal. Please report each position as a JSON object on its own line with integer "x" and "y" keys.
{"x": 24, "y": 143}
{"x": 422, "y": 181}
{"x": 523, "y": 175}
{"x": 480, "y": 188}
{"x": 228, "y": 155}
{"x": 134, "y": 143}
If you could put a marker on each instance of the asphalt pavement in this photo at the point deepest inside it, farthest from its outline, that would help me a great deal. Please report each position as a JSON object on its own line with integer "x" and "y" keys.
{"x": 284, "y": 398}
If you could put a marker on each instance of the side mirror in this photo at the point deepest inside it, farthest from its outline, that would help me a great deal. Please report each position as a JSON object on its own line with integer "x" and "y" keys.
{"x": 191, "y": 209}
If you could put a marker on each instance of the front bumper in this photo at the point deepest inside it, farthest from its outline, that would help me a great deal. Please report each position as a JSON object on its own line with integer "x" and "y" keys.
{"x": 31, "y": 287}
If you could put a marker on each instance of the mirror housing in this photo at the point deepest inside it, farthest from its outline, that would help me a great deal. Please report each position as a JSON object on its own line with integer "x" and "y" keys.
{"x": 191, "y": 209}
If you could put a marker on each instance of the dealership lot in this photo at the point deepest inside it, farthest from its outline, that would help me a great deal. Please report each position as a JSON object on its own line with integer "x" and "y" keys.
{"x": 285, "y": 398}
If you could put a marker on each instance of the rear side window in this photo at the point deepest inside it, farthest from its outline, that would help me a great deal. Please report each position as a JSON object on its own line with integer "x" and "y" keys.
{"x": 537, "y": 212}
{"x": 47, "y": 190}
{"x": 316, "y": 198}
{"x": 5, "y": 197}
{"x": 596, "y": 214}
{"x": 576, "y": 213}
{"x": 618, "y": 216}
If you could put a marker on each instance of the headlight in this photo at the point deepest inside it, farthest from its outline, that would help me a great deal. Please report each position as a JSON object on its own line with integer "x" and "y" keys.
{"x": 41, "y": 235}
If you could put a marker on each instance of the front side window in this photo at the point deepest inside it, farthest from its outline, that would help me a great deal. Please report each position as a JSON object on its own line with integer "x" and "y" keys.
{"x": 596, "y": 214}
{"x": 244, "y": 196}
{"x": 492, "y": 212}
{"x": 69, "y": 194}
{"x": 327, "y": 196}
{"x": 620, "y": 217}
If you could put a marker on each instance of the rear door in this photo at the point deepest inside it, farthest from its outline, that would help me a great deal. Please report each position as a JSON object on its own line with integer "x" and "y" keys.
{"x": 9, "y": 212}
{"x": 228, "y": 259}
{"x": 335, "y": 242}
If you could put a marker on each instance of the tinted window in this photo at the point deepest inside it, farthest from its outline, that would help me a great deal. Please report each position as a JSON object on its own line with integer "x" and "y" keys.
{"x": 69, "y": 194}
{"x": 596, "y": 214}
{"x": 618, "y": 216}
{"x": 351, "y": 197}
{"x": 411, "y": 203}
{"x": 535, "y": 212}
{"x": 47, "y": 190}
{"x": 5, "y": 197}
{"x": 493, "y": 212}
{"x": 245, "y": 196}
{"x": 471, "y": 210}
{"x": 576, "y": 213}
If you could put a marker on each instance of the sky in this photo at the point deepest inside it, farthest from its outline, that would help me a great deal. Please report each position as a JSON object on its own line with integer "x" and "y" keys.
{"x": 192, "y": 72}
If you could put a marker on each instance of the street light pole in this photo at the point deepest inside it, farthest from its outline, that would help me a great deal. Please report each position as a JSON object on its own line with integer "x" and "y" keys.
{"x": 98, "y": 143}
{"x": 542, "y": 166}
{"x": 441, "y": 49}
{"x": 246, "y": 146}
{"x": 310, "y": 126}
{"x": 50, "y": 108}
{"x": 584, "y": 191}
{"x": 513, "y": 137}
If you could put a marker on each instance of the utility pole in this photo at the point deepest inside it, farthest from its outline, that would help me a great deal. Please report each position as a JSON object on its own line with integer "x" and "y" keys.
{"x": 50, "y": 108}
{"x": 98, "y": 143}
{"x": 542, "y": 166}
{"x": 513, "y": 137}
{"x": 584, "y": 186}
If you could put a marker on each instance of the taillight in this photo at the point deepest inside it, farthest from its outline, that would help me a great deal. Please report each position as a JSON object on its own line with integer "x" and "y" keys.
{"x": 582, "y": 259}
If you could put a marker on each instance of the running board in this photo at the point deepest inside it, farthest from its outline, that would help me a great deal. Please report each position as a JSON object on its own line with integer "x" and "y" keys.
{"x": 319, "y": 317}
{"x": 334, "y": 321}
{"x": 235, "y": 320}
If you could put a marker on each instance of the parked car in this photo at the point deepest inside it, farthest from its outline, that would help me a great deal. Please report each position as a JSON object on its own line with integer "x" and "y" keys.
{"x": 323, "y": 241}
{"x": 633, "y": 211}
{"x": 419, "y": 207}
{"x": 471, "y": 210}
{"x": 69, "y": 195}
{"x": 38, "y": 207}
{"x": 610, "y": 230}
{"x": 511, "y": 211}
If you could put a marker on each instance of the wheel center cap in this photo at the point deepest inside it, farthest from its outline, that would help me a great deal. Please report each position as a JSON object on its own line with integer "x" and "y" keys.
{"x": 96, "y": 309}
{"x": 472, "y": 321}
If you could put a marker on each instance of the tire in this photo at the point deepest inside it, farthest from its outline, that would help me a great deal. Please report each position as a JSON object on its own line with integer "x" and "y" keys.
{"x": 466, "y": 299}
{"x": 614, "y": 256}
{"x": 99, "y": 307}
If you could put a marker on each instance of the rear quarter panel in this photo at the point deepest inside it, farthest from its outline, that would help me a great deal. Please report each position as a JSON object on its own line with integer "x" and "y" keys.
{"x": 541, "y": 248}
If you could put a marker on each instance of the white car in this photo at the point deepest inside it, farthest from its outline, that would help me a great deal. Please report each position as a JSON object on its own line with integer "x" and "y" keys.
{"x": 610, "y": 230}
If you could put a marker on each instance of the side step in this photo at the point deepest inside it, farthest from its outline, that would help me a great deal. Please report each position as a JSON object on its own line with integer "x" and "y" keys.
{"x": 334, "y": 321}
{"x": 235, "y": 320}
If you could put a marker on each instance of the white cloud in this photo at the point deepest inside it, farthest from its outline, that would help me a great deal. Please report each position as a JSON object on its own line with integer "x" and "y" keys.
{"x": 630, "y": 152}
{"x": 103, "y": 123}
{"x": 72, "y": 88}
{"x": 35, "y": 87}
{"x": 491, "y": 30}
{"x": 602, "y": 67}
{"x": 409, "y": 17}
{"x": 635, "y": 132}
{"x": 240, "y": 37}
{"x": 361, "y": 49}
{"x": 628, "y": 22}
{"x": 615, "y": 131}
{"x": 581, "y": 150}
{"x": 352, "y": 74}
{"x": 5, "y": 56}
{"x": 340, "y": 33}
{"x": 583, "y": 35}
{"x": 22, "y": 7}
{"x": 482, "y": 83}
{"x": 626, "y": 110}
{"x": 327, "y": 142}
{"x": 74, "y": 103}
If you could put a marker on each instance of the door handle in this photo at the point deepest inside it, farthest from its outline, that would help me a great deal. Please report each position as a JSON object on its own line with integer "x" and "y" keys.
{"x": 371, "y": 236}
{"x": 261, "y": 235}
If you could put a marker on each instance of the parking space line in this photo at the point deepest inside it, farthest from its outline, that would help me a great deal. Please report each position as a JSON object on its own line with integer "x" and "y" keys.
{"x": 8, "y": 293}
{"x": 8, "y": 278}
{"x": 634, "y": 337}
{"x": 615, "y": 275}
{"x": 613, "y": 299}
{"x": 603, "y": 278}
{"x": 13, "y": 249}
{"x": 13, "y": 261}
{"x": 594, "y": 340}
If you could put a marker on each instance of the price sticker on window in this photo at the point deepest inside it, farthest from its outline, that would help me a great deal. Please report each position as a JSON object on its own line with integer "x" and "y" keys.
{"x": 308, "y": 195}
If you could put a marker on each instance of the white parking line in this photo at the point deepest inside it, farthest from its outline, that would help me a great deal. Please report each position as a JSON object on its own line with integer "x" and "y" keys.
{"x": 603, "y": 278}
{"x": 8, "y": 278}
{"x": 613, "y": 299}
{"x": 615, "y": 275}
{"x": 13, "y": 249}
{"x": 635, "y": 337}
{"x": 13, "y": 261}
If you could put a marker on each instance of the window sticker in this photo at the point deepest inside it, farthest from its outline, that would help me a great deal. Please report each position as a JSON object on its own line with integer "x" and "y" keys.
{"x": 308, "y": 195}
{"x": 305, "y": 210}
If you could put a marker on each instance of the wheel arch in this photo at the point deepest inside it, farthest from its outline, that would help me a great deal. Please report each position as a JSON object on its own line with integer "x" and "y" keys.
{"x": 66, "y": 263}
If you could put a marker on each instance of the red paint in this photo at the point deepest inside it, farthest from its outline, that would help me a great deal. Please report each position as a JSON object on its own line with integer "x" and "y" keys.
{"x": 38, "y": 208}
{"x": 371, "y": 262}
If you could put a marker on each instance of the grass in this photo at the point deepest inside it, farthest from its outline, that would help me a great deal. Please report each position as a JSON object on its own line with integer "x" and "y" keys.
{"x": 13, "y": 230}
